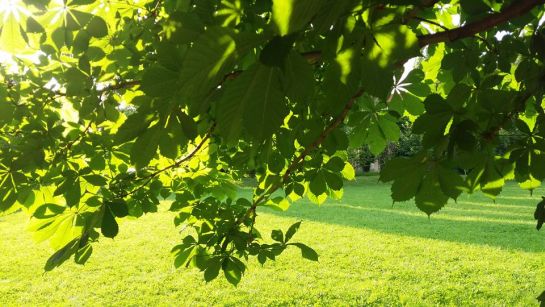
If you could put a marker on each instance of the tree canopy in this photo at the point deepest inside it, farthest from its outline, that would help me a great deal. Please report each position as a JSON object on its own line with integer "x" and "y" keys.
{"x": 109, "y": 107}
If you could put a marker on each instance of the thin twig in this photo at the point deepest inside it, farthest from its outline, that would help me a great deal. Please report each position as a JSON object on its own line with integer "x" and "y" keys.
{"x": 176, "y": 164}
{"x": 70, "y": 144}
{"x": 119, "y": 86}
{"x": 431, "y": 22}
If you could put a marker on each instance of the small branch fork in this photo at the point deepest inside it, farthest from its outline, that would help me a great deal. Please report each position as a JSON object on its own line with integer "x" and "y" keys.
{"x": 147, "y": 179}
{"x": 70, "y": 144}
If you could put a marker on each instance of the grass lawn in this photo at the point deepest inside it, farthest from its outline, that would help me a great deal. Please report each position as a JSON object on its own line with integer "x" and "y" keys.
{"x": 474, "y": 252}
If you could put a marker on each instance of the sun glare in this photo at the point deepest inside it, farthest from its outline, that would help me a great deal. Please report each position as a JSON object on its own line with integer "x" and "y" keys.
{"x": 14, "y": 8}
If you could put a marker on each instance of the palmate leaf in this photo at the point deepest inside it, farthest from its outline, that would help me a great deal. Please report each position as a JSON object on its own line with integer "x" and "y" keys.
{"x": 254, "y": 102}
{"x": 431, "y": 183}
{"x": 387, "y": 46}
{"x": 206, "y": 63}
{"x": 374, "y": 126}
{"x": 57, "y": 224}
{"x": 433, "y": 123}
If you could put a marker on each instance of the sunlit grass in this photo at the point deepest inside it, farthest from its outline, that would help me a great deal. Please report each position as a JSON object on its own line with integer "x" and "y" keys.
{"x": 475, "y": 252}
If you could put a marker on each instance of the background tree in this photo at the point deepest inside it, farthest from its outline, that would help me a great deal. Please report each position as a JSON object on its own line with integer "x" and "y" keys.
{"x": 407, "y": 145}
{"x": 110, "y": 107}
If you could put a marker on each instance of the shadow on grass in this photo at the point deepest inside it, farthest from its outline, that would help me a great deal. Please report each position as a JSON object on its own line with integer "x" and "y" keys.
{"x": 508, "y": 234}
{"x": 504, "y": 225}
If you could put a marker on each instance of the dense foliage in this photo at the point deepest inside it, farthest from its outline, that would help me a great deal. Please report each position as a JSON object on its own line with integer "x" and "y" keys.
{"x": 111, "y": 106}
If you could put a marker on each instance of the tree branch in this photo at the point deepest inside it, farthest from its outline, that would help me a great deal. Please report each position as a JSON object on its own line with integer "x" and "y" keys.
{"x": 176, "y": 164}
{"x": 296, "y": 163}
{"x": 517, "y": 9}
{"x": 62, "y": 152}
{"x": 119, "y": 86}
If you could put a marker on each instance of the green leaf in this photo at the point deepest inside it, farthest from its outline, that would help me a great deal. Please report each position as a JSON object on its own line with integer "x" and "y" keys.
{"x": 434, "y": 122}
{"x": 318, "y": 184}
{"x": 206, "y": 63}
{"x": 429, "y": 197}
{"x": 306, "y": 252}
{"x": 6, "y": 108}
{"x": 458, "y": 96}
{"x": 406, "y": 186}
{"x": 81, "y": 42}
{"x": 212, "y": 269}
{"x": 451, "y": 183}
{"x": 109, "y": 227}
{"x": 292, "y": 231}
{"x": 539, "y": 214}
{"x": 474, "y": 7}
{"x": 61, "y": 255}
{"x": 383, "y": 128}
{"x": 97, "y": 163}
{"x": 334, "y": 180}
{"x": 298, "y": 78}
{"x": 538, "y": 165}
{"x": 335, "y": 164}
{"x": 277, "y": 235}
{"x": 61, "y": 37}
{"x": 233, "y": 269}
{"x": 119, "y": 207}
{"x": 32, "y": 26}
{"x": 77, "y": 82}
{"x": 8, "y": 197}
{"x": 293, "y": 15}
{"x": 97, "y": 27}
{"x": 189, "y": 126}
{"x": 159, "y": 81}
{"x": 72, "y": 193}
{"x": 253, "y": 101}
{"x": 83, "y": 254}
{"x": 145, "y": 147}
{"x": 276, "y": 163}
{"x": 188, "y": 27}
{"x": 76, "y": 19}
{"x": 96, "y": 180}
{"x": 407, "y": 176}
{"x": 168, "y": 145}
{"x": 348, "y": 172}
{"x": 275, "y": 52}
{"x": 390, "y": 44}
{"x": 134, "y": 126}
{"x": 184, "y": 255}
